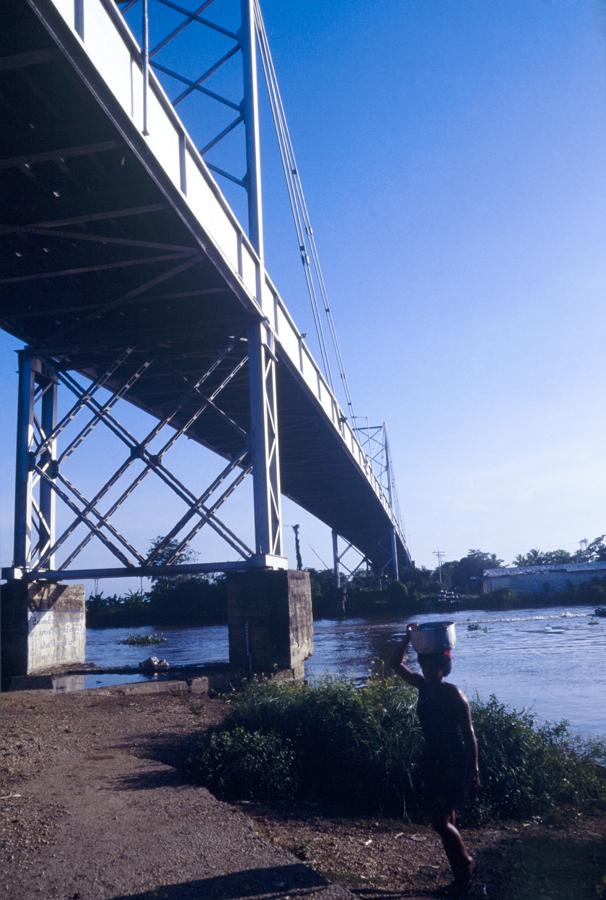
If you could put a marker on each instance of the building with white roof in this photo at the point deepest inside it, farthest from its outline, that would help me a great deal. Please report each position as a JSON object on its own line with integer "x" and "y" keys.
{"x": 541, "y": 579}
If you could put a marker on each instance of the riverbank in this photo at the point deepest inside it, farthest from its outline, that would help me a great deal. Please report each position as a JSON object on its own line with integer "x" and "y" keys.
{"x": 517, "y": 656}
{"x": 369, "y": 604}
{"x": 95, "y": 806}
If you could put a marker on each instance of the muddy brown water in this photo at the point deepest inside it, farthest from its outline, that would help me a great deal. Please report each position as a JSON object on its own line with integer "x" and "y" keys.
{"x": 551, "y": 661}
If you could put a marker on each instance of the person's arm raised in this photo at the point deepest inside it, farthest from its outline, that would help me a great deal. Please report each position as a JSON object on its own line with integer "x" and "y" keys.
{"x": 398, "y": 665}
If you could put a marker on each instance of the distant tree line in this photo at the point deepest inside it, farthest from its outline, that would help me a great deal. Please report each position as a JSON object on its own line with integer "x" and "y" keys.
{"x": 189, "y": 600}
{"x": 465, "y": 575}
{"x": 589, "y": 551}
{"x": 193, "y": 600}
{"x": 182, "y": 600}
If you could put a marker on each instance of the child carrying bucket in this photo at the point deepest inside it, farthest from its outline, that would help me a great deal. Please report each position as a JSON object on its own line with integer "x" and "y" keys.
{"x": 450, "y": 759}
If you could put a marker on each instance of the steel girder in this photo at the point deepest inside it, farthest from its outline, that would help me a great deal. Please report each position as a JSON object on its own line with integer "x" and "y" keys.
{"x": 42, "y": 479}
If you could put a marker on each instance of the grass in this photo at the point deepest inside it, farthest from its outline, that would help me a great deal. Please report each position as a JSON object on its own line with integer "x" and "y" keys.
{"x": 359, "y": 749}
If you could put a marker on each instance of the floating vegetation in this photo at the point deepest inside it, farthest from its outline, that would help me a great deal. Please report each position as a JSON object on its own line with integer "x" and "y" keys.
{"x": 143, "y": 640}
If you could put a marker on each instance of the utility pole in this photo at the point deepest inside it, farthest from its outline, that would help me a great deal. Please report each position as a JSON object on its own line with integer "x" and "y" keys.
{"x": 440, "y": 555}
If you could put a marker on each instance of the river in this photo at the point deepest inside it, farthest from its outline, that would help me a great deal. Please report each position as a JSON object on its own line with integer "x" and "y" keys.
{"x": 551, "y": 661}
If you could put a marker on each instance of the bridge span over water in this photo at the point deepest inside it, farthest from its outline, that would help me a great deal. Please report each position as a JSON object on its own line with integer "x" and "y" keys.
{"x": 129, "y": 278}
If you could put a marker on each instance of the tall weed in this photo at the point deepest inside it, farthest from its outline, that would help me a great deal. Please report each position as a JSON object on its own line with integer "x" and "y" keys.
{"x": 529, "y": 768}
{"x": 360, "y": 748}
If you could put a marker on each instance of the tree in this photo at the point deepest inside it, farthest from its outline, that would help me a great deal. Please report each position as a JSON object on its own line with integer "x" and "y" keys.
{"x": 188, "y": 599}
{"x": 538, "y": 558}
{"x": 532, "y": 558}
{"x": 465, "y": 574}
{"x": 324, "y": 593}
{"x": 553, "y": 557}
{"x": 167, "y": 553}
{"x": 595, "y": 551}
{"x": 419, "y": 579}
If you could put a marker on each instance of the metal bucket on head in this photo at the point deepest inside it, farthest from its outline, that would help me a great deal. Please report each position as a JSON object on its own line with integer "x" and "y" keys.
{"x": 434, "y": 637}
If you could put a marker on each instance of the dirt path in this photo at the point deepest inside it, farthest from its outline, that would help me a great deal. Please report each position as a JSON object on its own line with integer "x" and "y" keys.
{"x": 93, "y": 806}
{"x": 389, "y": 860}
{"x": 90, "y": 810}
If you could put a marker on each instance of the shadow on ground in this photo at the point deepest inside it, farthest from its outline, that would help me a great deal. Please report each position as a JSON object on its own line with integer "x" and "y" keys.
{"x": 272, "y": 883}
{"x": 390, "y": 894}
{"x": 550, "y": 866}
{"x": 170, "y": 749}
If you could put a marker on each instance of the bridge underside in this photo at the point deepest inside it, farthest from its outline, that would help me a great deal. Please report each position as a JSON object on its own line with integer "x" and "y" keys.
{"x": 97, "y": 255}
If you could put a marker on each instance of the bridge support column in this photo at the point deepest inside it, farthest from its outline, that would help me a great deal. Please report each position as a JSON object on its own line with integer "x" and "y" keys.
{"x": 23, "y": 475}
{"x": 43, "y": 628}
{"x": 270, "y": 621}
{"x": 264, "y": 447}
{"x": 395, "y": 569}
{"x": 34, "y": 527}
{"x": 336, "y": 558}
{"x": 261, "y": 358}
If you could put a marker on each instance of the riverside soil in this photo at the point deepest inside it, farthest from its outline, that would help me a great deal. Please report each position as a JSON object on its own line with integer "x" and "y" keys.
{"x": 95, "y": 805}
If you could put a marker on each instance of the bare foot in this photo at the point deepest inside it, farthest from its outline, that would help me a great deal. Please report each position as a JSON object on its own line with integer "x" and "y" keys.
{"x": 463, "y": 881}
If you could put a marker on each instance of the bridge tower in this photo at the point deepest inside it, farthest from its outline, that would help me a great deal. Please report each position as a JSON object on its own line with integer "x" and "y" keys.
{"x": 265, "y": 452}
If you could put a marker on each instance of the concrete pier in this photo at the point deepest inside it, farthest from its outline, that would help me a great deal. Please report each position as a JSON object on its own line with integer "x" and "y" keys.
{"x": 43, "y": 627}
{"x": 270, "y": 621}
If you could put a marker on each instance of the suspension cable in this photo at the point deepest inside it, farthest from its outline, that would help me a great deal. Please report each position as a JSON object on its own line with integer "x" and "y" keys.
{"x": 289, "y": 165}
{"x": 303, "y": 226}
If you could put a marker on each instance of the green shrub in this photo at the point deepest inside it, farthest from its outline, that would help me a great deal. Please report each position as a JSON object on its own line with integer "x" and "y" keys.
{"x": 356, "y": 747}
{"x": 528, "y": 769}
{"x": 359, "y": 748}
{"x": 241, "y": 764}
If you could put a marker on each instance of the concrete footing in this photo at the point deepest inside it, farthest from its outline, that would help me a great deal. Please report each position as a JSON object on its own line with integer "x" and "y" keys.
{"x": 270, "y": 624}
{"x": 270, "y": 621}
{"x": 43, "y": 626}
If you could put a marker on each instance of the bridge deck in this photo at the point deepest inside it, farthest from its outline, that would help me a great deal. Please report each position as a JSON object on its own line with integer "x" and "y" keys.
{"x": 113, "y": 239}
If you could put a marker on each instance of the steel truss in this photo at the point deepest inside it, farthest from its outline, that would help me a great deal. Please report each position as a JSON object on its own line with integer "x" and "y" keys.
{"x": 348, "y": 560}
{"x": 264, "y": 446}
{"x": 238, "y": 43}
{"x": 42, "y": 480}
{"x": 375, "y": 444}
{"x": 345, "y": 571}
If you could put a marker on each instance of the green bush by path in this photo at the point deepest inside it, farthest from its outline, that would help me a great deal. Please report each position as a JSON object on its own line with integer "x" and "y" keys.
{"x": 241, "y": 764}
{"x": 528, "y": 769}
{"x": 359, "y": 748}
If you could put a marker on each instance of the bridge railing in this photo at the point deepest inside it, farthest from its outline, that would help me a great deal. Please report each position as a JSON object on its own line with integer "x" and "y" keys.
{"x": 101, "y": 31}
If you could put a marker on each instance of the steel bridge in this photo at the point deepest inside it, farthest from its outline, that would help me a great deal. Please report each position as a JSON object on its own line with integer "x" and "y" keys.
{"x": 129, "y": 278}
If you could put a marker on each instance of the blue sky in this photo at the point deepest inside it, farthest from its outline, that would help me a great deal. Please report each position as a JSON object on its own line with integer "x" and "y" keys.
{"x": 454, "y": 161}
